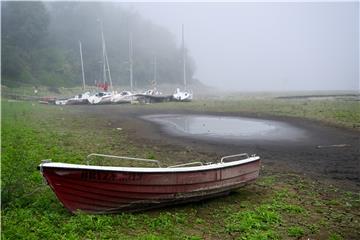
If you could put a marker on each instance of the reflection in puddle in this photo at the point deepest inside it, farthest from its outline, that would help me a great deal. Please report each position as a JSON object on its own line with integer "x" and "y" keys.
{"x": 228, "y": 127}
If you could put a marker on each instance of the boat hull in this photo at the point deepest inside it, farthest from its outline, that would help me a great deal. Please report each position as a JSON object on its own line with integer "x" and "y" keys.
{"x": 77, "y": 101}
{"x": 99, "y": 191}
{"x": 154, "y": 98}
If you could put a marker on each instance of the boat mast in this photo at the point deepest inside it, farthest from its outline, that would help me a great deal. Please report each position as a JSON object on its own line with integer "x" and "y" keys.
{"x": 103, "y": 51}
{"x": 106, "y": 67}
{"x": 82, "y": 66}
{"x": 131, "y": 61}
{"x": 155, "y": 71}
{"x": 184, "y": 56}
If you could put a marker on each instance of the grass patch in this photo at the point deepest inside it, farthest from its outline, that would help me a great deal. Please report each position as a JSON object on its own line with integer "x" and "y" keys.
{"x": 335, "y": 236}
{"x": 295, "y": 232}
{"x": 254, "y": 223}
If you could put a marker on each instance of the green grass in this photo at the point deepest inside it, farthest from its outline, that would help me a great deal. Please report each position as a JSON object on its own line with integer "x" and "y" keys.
{"x": 277, "y": 206}
{"x": 295, "y": 232}
{"x": 335, "y": 236}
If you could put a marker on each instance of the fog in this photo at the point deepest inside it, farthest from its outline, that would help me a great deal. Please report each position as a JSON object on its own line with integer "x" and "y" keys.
{"x": 266, "y": 46}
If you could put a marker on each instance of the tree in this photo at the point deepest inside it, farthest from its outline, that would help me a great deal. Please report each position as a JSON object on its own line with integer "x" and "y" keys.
{"x": 23, "y": 32}
{"x": 40, "y": 44}
{"x": 24, "y": 24}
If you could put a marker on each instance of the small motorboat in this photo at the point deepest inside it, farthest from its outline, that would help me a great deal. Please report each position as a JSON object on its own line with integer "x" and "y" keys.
{"x": 62, "y": 101}
{"x": 123, "y": 97}
{"x": 100, "y": 98}
{"x": 79, "y": 99}
{"x": 153, "y": 96}
{"x": 111, "y": 189}
{"x": 182, "y": 96}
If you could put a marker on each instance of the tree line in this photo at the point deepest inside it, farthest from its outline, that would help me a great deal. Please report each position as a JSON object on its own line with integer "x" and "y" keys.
{"x": 40, "y": 45}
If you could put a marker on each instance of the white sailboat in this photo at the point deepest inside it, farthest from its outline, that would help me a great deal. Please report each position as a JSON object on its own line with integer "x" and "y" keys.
{"x": 186, "y": 95}
{"x": 127, "y": 96}
{"x": 100, "y": 98}
{"x": 153, "y": 95}
{"x": 80, "y": 98}
{"x": 104, "y": 96}
{"x": 182, "y": 96}
{"x": 122, "y": 97}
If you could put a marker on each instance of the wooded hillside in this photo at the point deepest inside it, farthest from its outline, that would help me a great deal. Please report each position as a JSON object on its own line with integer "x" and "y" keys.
{"x": 40, "y": 45}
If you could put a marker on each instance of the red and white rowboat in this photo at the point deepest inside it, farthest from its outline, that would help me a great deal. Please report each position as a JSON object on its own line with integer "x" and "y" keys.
{"x": 106, "y": 189}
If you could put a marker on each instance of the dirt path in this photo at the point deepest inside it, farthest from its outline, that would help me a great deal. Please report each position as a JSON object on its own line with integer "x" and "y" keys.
{"x": 339, "y": 165}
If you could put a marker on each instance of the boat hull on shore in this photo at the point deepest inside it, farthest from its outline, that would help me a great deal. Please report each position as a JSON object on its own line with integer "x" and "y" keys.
{"x": 101, "y": 189}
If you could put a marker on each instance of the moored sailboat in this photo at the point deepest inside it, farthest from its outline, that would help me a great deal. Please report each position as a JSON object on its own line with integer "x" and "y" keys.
{"x": 185, "y": 95}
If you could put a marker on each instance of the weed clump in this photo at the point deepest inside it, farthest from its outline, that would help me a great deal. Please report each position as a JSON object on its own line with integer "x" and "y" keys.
{"x": 254, "y": 224}
{"x": 295, "y": 231}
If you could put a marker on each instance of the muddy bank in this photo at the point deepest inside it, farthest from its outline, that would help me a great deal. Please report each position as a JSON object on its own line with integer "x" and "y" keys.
{"x": 339, "y": 163}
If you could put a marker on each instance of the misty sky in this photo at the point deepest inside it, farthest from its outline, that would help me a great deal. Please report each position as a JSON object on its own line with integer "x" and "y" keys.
{"x": 267, "y": 46}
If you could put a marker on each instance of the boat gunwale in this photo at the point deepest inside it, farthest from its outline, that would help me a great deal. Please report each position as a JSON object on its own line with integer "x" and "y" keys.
{"x": 209, "y": 167}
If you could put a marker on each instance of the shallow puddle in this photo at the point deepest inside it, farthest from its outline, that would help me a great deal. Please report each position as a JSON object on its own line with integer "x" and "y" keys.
{"x": 228, "y": 127}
